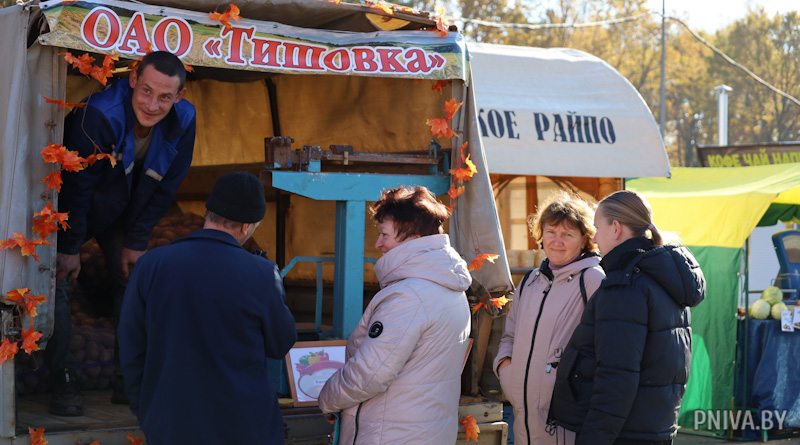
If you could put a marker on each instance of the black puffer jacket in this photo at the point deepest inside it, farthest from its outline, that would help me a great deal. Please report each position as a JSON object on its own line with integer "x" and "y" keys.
{"x": 624, "y": 371}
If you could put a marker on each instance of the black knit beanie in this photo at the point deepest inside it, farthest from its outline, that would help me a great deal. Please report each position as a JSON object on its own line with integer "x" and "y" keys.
{"x": 239, "y": 197}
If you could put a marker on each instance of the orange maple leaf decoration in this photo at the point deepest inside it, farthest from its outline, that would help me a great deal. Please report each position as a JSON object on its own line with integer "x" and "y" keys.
{"x": 440, "y": 127}
{"x": 471, "y": 429}
{"x": 439, "y": 85}
{"x": 134, "y": 440}
{"x": 477, "y": 263}
{"x": 455, "y": 191}
{"x": 102, "y": 73}
{"x": 27, "y": 247}
{"x": 451, "y": 107}
{"x": 29, "y": 338}
{"x": 499, "y": 302}
{"x": 53, "y": 180}
{"x": 92, "y": 158}
{"x": 84, "y": 63}
{"x": 442, "y": 24}
{"x": 72, "y": 162}
{"x": 464, "y": 174}
{"x": 232, "y": 13}
{"x": 7, "y": 350}
{"x": 470, "y": 165}
{"x": 462, "y": 150}
{"x": 37, "y": 436}
{"x": 47, "y": 221}
{"x": 52, "y": 153}
{"x": 478, "y": 306}
{"x": 17, "y": 295}
{"x": 59, "y": 154}
{"x": 29, "y": 302}
{"x": 64, "y": 104}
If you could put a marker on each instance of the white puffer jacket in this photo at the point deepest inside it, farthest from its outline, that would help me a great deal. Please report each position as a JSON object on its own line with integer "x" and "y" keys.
{"x": 402, "y": 378}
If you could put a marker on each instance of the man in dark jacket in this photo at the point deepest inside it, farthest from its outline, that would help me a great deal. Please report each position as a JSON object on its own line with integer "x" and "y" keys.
{"x": 199, "y": 319}
{"x": 624, "y": 371}
{"x": 147, "y": 126}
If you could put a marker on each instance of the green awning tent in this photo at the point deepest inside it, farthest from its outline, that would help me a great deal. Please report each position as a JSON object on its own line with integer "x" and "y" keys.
{"x": 713, "y": 211}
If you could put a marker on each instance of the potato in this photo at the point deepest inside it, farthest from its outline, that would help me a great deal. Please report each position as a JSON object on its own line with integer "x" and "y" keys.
{"x": 92, "y": 351}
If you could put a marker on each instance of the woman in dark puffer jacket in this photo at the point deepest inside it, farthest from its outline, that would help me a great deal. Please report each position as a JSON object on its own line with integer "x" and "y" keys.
{"x": 624, "y": 371}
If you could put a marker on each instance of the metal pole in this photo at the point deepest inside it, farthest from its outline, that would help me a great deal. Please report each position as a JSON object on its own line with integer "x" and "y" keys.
{"x": 662, "y": 111}
{"x": 722, "y": 114}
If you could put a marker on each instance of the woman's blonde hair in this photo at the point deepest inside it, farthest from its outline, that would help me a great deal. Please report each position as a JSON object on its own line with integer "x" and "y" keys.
{"x": 631, "y": 210}
{"x": 564, "y": 208}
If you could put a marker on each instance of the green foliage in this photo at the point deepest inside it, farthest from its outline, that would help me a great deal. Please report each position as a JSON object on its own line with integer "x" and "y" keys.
{"x": 766, "y": 45}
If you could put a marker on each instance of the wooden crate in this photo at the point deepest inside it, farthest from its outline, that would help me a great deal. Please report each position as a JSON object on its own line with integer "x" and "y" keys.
{"x": 483, "y": 410}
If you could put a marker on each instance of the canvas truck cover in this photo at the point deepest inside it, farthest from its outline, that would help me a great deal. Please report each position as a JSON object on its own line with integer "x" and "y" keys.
{"x": 561, "y": 112}
{"x": 39, "y": 70}
{"x": 28, "y": 125}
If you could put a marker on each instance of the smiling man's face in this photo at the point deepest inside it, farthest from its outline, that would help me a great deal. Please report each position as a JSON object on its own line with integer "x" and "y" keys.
{"x": 154, "y": 94}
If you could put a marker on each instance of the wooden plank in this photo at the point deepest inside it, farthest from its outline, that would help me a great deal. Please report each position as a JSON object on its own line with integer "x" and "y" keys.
{"x": 482, "y": 330}
{"x": 483, "y": 410}
{"x": 99, "y": 414}
{"x": 531, "y": 201}
{"x": 381, "y": 158}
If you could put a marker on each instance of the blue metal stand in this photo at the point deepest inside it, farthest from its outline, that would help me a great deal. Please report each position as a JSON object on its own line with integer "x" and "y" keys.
{"x": 351, "y": 191}
{"x": 348, "y": 286}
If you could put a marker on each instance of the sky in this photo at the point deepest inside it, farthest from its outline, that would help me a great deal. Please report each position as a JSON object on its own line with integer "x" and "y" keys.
{"x": 711, "y": 15}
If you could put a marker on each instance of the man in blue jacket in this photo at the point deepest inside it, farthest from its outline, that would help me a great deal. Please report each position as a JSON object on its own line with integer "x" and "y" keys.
{"x": 147, "y": 126}
{"x": 199, "y": 319}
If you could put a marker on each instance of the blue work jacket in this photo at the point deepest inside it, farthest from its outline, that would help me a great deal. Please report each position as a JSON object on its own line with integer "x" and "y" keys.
{"x": 199, "y": 319}
{"x": 101, "y": 196}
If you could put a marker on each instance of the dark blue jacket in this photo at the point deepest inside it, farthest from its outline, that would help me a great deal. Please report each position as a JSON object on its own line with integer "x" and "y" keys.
{"x": 198, "y": 321}
{"x": 97, "y": 197}
{"x": 625, "y": 368}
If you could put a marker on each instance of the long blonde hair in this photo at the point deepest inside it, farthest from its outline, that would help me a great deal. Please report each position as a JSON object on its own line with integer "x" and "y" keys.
{"x": 631, "y": 210}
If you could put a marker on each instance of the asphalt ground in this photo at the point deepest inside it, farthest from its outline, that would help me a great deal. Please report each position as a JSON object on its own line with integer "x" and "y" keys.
{"x": 692, "y": 439}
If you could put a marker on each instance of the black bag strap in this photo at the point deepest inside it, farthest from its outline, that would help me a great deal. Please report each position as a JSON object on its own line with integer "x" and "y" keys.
{"x": 524, "y": 279}
{"x": 584, "y": 297}
{"x": 583, "y": 288}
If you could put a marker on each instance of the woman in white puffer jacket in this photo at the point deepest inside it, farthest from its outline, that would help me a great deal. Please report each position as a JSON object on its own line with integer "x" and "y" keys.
{"x": 402, "y": 377}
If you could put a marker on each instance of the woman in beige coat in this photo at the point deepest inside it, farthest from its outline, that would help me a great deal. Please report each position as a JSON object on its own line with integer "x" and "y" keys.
{"x": 402, "y": 376}
{"x": 542, "y": 317}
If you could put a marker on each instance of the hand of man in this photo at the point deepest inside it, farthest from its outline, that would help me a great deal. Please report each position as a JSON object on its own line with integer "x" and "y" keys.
{"x": 129, "y": 259}
{"x": 503, "y": 363}
{"x": 67, "y": 267}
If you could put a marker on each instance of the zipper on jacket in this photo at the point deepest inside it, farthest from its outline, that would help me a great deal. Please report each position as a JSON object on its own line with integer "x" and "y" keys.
{"x": 528, "y": 366}
{"x": 358, "y": 414}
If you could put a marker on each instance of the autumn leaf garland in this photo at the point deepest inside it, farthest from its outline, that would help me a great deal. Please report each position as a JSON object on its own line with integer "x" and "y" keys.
{"x": 224, "y": 18}
{"x": 440, "y": 127}
{"x": 47, "y": 221}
